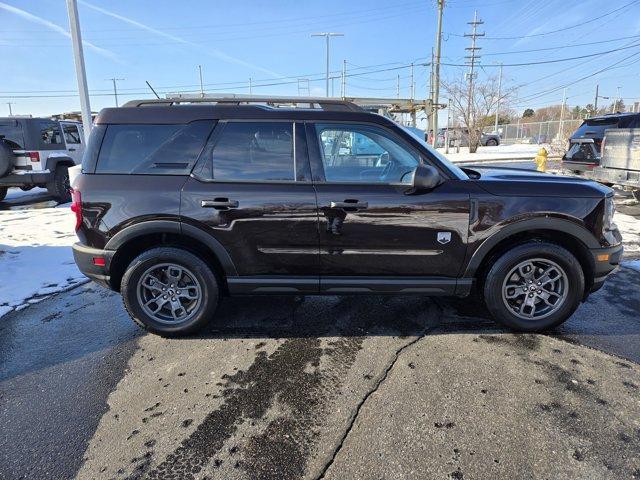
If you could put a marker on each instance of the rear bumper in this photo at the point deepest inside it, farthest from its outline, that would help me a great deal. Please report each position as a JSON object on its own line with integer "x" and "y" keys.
{"x": 605, "y": 260}
{"x": 84, "y": 257}
{"x": 578, "y": 166}
{"x": 20, "y": 179}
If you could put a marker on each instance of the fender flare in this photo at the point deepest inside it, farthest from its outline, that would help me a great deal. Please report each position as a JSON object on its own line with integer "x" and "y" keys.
{"x": 53, "y": 162}
{"x": 578, "y": 232}
{"x": 174, "y": 227}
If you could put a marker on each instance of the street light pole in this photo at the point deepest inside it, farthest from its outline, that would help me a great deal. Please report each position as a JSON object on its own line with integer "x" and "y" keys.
{"x": 327, "y": 35}
{"x": 76, "y": 40}
{"x": 10, "y": 111}
{"x": 498, "y": 101}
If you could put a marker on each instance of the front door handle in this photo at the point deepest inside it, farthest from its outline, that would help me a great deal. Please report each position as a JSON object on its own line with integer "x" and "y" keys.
{"x": 350, "y": 204}
{"x": 219, "y": 204}
{"x": 72, "y": 149}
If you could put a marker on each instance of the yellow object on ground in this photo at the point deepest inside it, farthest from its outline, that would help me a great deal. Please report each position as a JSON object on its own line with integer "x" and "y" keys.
{"x": 541, "y": 160}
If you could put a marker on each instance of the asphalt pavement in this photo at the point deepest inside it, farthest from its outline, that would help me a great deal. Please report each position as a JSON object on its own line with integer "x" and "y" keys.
{"x": 305, "y": 387}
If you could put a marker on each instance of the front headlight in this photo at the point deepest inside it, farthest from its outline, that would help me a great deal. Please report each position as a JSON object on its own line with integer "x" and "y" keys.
{"x": 609, "y": 211}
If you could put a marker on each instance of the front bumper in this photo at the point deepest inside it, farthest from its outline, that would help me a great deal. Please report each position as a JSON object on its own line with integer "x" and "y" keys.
{"x": 606, "y": 261}
{"x": 84, "y": 257}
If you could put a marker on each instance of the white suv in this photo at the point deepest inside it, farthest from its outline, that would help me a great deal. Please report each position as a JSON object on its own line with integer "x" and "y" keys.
{"x": 38, "y": 152}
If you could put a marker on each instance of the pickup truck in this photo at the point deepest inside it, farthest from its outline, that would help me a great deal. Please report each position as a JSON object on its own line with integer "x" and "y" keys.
{"x": 620, "y": 161}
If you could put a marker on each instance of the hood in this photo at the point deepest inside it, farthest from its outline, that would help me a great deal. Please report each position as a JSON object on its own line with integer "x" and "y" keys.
{"x": 529, "y": 183}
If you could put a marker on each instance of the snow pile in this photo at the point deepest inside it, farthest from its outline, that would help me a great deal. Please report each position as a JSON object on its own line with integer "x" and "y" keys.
{"x": 35, "y": 256}
{"x": 501, "y": 152}
{"x": 630, "y": 229}
{"x": 16, "y": 193}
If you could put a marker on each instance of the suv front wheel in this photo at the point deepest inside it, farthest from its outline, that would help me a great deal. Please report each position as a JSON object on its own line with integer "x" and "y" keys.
{"x": 534, "y": 287}
{"x": 170, "y": 291}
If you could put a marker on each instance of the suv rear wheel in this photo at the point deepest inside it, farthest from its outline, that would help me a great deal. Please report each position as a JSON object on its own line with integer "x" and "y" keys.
{"x": 534, "y": 287}
{"x": 170, "y": 291}
{"x": 60, "y": 188}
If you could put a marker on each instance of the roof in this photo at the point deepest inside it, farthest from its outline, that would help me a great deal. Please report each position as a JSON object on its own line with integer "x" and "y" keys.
{"x": 161, "y": 113}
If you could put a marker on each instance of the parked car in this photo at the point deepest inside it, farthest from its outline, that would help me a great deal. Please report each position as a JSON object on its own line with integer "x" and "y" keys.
{"x": 37, "y": 152}
{"x": 583, "y": 151}
{"x": 460, "y": 136}
{"x": 178, "y": 205}
{"x": 620, "y": 160}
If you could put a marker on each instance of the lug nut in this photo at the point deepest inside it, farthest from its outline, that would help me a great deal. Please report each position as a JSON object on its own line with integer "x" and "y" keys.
{"x": 539, "y": 291}
{"x": 164, "y": 296}
{"x": 531, "y": 295}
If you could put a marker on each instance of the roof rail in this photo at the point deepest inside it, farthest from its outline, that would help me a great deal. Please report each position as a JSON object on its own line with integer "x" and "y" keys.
{"x": 233, "y": 99}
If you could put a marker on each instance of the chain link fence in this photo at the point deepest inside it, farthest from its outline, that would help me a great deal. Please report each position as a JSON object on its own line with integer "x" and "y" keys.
{"x": 554, "y": 132}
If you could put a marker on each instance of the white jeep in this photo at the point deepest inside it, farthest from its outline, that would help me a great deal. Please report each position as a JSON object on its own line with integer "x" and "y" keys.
{"x": 38, "y": 152}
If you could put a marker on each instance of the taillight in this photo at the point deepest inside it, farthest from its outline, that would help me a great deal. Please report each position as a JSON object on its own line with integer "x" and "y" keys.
{"x": 76, "y": 207}
{"x": 34, "y": 156}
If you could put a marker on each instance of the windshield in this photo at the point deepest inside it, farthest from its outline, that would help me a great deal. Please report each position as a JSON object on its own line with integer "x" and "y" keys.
{"x": 457, "y": 171}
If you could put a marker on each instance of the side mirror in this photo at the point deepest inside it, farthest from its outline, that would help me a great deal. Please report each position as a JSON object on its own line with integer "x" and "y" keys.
{"x": 425, "y": 178}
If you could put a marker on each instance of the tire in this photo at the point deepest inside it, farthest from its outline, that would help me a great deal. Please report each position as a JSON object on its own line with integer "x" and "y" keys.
{"x": 491, "y": 143}
{"x": 59, "y": 187}
{"x": 509, "y": 311}
{"x": 7, "y": 159}
{"x": 199, "y": 278}
{"x": 636, "y": 194}
{"x": 3, "y": 192}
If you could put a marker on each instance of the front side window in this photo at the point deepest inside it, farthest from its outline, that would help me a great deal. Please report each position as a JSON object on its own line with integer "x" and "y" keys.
{"x": 49, "y": 133}
{"x": 254, "y": 151}
{"x": 364, "y": 153}
{"x": 152, "y": 149}
{"x": 71, "y": 134}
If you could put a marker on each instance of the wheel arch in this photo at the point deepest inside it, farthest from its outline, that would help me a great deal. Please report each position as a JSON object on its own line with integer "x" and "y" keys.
{"x": 53, "y": 162}
{"x": 133, "y": 240}
{"x": 574, "y": 238}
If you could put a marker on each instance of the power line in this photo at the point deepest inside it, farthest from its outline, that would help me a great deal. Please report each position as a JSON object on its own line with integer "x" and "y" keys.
{"x": 559, "y": 29}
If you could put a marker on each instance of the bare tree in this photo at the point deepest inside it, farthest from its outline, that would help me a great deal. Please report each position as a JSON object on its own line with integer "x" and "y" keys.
{"x": 484, "y": 100}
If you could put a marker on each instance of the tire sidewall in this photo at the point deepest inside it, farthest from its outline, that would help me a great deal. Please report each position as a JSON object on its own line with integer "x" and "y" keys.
{"x": 498, "y": 272}
{"x": 204, "y": 275}
{"x": 57, "y": 188}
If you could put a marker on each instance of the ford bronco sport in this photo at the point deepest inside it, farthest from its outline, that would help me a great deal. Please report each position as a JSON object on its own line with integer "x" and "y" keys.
{"x": 180, "y": 204}
{"x": 37, "y": 152}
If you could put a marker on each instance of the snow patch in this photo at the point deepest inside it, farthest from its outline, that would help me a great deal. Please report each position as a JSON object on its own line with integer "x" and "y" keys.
{"x": 630, "y": 229}
{"x": 634, "y": 264}
{"x": 36, "y": 260}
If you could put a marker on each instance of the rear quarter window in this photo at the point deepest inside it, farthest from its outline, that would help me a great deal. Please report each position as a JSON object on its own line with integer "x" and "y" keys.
{"x": 11, "y": 133}
{"x": 152, "y": 149}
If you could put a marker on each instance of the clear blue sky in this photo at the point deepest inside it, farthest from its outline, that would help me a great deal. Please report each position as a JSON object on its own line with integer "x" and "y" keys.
{"x": 163, "y": 41}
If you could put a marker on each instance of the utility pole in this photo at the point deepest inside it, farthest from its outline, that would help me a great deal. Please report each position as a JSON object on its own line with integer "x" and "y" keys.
{"x": 343, "y": 90}
{"x": 412, "y": 92}
{"x": 616, "y": 103}
{"x": 201, "y": 84}
{"x": 327, "y": 36}
{"x": 10, "y": 111}
{"x": 595, "y": 103}
{"x": 472, "y": 63}
{"x": 250, "y": 86}
{"x": 398, "y": 86}
{"x": 430, "y": 112}
{"x": 115, "y": 88}
{"x": 564, "y": 101}
{"x": 436, "y": 74}
{"x": 76, "y": 40}
{"x": 498, "y": 101}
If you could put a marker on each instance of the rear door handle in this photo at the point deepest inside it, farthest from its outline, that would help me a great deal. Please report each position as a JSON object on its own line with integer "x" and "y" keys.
{"x": 72, "y": 149}
{"x": 220, "y": 204}
{"x": 350, "y": 204}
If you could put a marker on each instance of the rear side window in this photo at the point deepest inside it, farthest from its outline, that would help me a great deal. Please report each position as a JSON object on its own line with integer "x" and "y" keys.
{"x": 248, "y": 151}
{"x": 50, "y": 134}
{"x": 152, "y": 149}
{"x": 11, "y": 133}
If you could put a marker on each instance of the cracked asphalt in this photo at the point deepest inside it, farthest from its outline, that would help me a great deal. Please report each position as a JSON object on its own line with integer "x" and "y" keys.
{"x": 321, "y": 387}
